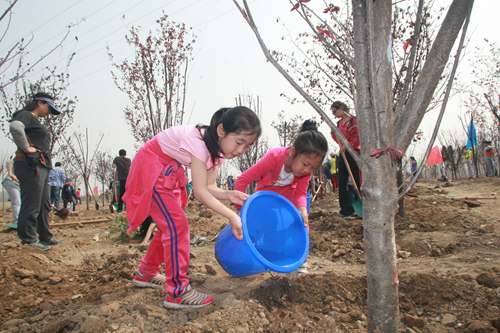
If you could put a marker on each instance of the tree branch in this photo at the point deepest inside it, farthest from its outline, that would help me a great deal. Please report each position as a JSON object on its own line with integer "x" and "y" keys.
{"x": 329, "y": 46}
{"x": 248, "y": 17}
{"x": 8, "y": 10}
{"x": 493, "y": 108}
{"x": 409, "y": 119}
{"x": 18, "y": 76}
{"x": 411, "y": 64}
{"x": 445, "y": 101}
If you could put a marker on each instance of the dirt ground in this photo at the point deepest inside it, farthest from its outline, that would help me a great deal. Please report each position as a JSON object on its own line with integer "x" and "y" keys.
{"x": 449, "y": 263}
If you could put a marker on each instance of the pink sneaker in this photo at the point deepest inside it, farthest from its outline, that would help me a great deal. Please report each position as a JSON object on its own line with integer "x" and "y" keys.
{"x": 157, "y": 282}
{"x": 190, "y": 298}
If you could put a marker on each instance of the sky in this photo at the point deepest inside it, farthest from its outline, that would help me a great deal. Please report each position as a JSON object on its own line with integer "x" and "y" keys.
{"x": 227, "y": 59}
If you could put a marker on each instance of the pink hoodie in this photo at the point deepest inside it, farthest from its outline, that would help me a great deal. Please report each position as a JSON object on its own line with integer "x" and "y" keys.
{"x": 266, "y": 172}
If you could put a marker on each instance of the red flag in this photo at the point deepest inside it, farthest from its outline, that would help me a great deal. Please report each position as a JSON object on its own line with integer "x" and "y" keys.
{"x": 435, "y": 157}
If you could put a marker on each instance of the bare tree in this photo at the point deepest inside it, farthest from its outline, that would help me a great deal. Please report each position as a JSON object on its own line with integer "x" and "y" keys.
{"x": 454, "y": 151}
{"x": 52, "y": 82}
{"x": 15, "y": 52}
{"x": 83, "y": 159}
{"x": 155, "y": 80}
{"x": 259, "y": 148}
{"x": 287, "y": 128}
{"x": 103, "y": 170}
{"x": 387, "y": 126}
{"x": 482, "y": 91}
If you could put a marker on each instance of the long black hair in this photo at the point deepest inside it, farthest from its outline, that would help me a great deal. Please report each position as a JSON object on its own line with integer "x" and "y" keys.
{"x": 309, "y": 140}
{"x": 234, "y": 120}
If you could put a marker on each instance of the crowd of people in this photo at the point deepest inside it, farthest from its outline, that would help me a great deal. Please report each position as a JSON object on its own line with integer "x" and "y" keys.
{"x": 153, "y": 188}
{"x": 34, "y": 185}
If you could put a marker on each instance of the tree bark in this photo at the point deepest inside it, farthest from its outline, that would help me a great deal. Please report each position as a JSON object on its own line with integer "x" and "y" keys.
{"x": 372, "y": 50}
{"x": 400, "y": 181}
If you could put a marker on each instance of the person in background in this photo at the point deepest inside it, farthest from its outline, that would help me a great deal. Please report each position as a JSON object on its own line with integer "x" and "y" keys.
{"x": 469, "y": 162}
{"x": 326, "y": 170}
{"x": 78, "y": 195}
{"x": 334, "y": 172}
{"x": 68, "y": 195}
{"x": 444, "y": 166}
{"x": 489, "y": 161}
{"x": 121, "y": 166}
{"x": 11, "y": 185}
{"x": 413, "y": 166}
{"x": 189, "y": 189}
{"x": 348, "y": 125}
{"x": 31, "y": 166}
{"x": 230, "y": 183}
{"x": 56, "y": 182}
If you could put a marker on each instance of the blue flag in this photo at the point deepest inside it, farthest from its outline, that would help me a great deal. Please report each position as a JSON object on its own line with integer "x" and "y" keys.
{"x": 471, "y": 136}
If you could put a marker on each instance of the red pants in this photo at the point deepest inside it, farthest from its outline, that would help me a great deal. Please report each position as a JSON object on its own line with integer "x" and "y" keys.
{"x": 170, "y": 244}
{"x": 335, "y": 183}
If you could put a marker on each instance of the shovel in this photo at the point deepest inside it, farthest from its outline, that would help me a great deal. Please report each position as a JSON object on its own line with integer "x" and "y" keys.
{"x": 357, "y": 204}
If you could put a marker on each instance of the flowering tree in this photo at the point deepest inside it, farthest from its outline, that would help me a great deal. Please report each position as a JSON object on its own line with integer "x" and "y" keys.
{"x": 387, "y": 124}
{"x": 326, "y": 76}
{"x": 155, "y": 79}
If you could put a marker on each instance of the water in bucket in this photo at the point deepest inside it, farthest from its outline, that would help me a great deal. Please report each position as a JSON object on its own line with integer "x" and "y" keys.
{"x": 274, "y": 238}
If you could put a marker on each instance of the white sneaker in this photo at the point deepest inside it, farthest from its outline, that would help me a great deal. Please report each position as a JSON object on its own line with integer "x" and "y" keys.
{"x": 304, "y": 269}
{"x": 157, "y": 282}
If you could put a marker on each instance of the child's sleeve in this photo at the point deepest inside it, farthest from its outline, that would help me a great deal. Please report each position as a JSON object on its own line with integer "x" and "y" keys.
{"x": 301, "y": 192}
{"x": 255, "y": 172}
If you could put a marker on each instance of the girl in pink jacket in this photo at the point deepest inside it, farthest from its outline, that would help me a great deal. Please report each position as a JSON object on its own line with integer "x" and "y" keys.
{"x": 287, "y": 171}
{"x": 156, "y": 187}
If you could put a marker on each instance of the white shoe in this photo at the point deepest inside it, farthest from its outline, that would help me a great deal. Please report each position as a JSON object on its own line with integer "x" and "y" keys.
{"x": 304, "y": 269}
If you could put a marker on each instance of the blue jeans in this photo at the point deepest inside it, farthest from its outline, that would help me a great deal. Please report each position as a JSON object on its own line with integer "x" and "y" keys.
{"x": 490, "y": 167}
{"x": 14, "y": 192}
{"x": 55, "y": 196}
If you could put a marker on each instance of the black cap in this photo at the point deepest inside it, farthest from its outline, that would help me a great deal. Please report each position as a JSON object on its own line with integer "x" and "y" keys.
{"x": 52, "y": 106}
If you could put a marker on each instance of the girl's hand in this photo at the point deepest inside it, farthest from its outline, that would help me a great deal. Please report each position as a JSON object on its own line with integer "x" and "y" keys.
{"x": 30, "y": 150}
{"x": 237, "y": 227}
{"x": 305, "y": 217}
{"x": 14, "y": 178}
{"x": 237, "y": 197}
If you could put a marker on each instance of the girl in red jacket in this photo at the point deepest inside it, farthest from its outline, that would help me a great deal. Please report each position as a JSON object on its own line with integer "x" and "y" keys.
{"x": 287, "y": 170}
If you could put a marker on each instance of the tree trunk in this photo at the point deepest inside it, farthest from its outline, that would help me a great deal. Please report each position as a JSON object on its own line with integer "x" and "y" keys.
{"x": 103, "y": 196}
{"x": 401, "y": 203}
{"x": 86, "y": 182}
{"x": 475, "y": 160}
{"x": 372, "y": 31}
{"x": 380, "y": 246}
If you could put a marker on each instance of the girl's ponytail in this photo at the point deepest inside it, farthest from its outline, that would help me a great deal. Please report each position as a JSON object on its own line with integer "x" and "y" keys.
{"x": 309, "y": 140}
{"x": 234, "y": 120}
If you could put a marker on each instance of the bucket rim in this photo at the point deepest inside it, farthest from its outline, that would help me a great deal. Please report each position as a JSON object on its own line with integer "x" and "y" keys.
{"x": 270, "y": 265}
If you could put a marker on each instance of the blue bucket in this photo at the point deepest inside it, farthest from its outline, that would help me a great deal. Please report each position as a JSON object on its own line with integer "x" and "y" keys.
{"x": 274, "y": 238}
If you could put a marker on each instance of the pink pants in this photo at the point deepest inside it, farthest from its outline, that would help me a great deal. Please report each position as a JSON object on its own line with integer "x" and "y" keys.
{"x": 170, "y": 244}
